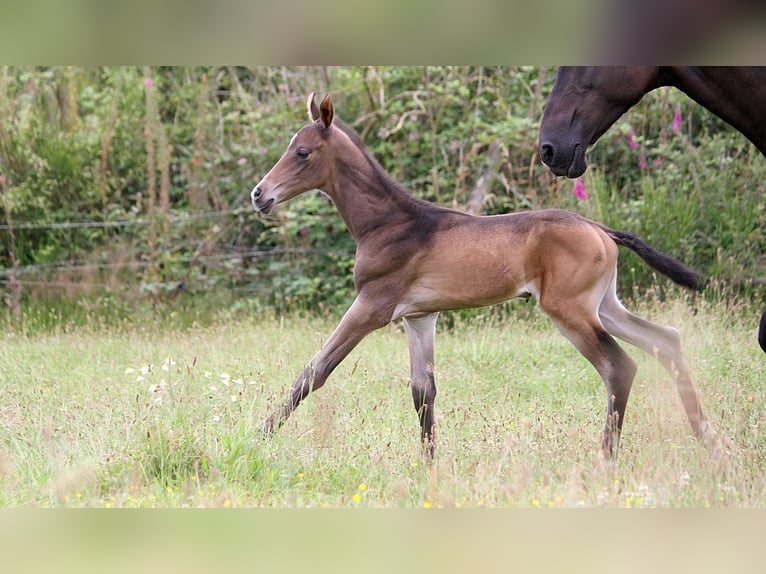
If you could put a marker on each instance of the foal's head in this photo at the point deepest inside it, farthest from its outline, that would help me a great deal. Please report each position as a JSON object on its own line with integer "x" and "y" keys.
{"x": 306, "y": 163}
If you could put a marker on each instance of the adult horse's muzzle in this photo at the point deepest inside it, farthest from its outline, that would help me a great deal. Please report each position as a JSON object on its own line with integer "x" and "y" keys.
{"x": 563, "y": 160}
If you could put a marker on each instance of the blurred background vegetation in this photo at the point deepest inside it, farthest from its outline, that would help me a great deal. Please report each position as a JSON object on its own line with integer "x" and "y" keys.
{"x": 127, "y": 188}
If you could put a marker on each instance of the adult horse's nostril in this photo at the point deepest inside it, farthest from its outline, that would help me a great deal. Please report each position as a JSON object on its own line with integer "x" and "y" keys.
{"x": 257, "y": 191}
{"x": 547, "y": 153}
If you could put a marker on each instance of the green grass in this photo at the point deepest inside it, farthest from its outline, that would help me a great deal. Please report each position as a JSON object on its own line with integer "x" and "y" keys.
{"x": 166, "y": 416}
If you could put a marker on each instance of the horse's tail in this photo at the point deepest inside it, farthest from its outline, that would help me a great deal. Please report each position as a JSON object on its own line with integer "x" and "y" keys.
{"x": 671, "y": 267}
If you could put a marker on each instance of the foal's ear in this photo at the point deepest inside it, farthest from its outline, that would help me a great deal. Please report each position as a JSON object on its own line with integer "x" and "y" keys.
{"x": 312, "y": 108}
{"x": 326, "y": 111}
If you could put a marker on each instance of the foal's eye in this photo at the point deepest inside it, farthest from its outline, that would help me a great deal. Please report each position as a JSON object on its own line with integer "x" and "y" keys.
{"x": 303, "y": 153}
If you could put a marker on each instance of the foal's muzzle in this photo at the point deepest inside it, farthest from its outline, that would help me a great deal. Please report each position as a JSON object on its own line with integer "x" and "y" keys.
{"x": 260, "y": 203}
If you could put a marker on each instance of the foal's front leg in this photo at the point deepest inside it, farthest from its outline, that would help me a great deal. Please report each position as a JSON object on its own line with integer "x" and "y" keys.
{"x": 360, "y": 320}
{"x": 421, "y": 335}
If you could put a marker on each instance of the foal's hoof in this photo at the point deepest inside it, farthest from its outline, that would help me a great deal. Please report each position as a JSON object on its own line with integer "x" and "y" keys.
{"x": 429, "y": 451}
{"x": 721, "y": 452}
{"x": 267, "y": 428}
{"x": 605, "y": 461}
{"x": 720, "y": 449}
{"x": 429, "y": 448}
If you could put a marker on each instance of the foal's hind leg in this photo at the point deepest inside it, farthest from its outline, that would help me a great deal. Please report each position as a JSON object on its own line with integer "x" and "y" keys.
{"x": 663, "y": 343}
{"x": 579, "y": 324}
{"x": 421, "y": 333}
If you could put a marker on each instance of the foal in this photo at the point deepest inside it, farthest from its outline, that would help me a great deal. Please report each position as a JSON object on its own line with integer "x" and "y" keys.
{"x": 415, "y": 259}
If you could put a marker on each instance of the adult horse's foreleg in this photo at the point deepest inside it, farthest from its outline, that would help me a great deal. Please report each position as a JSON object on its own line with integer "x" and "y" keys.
{"x": 421, "y": 335}
{"x": 663, "y": 343}
{"x": 762, "y": 332}
{"x": 360, "y": 320}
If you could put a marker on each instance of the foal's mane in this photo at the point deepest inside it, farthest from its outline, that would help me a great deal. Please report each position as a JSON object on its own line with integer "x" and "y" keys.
{"x": 380, "y": 173}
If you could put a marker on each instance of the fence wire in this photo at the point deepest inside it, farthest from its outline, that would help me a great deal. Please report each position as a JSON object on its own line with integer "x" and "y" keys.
{"x": 210, "y": 254}
{"x": 121, "y": 223}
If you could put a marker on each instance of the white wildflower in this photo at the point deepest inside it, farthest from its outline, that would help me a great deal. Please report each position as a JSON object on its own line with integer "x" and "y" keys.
{"x": 167, "y": 362}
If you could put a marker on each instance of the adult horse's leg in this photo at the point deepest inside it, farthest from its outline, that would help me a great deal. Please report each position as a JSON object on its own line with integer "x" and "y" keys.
{"x": 421, "y": 335}
{"x": 361, "y": 319}
{"x": 762, "y": 332}
{"x": 663, "y": 343}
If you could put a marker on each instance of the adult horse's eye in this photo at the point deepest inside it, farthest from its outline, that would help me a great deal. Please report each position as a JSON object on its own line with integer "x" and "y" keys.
{"x": 303, "y": 153}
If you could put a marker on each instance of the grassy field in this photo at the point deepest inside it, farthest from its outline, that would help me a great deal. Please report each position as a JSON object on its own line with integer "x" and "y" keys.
{"x": 162, "y": 416}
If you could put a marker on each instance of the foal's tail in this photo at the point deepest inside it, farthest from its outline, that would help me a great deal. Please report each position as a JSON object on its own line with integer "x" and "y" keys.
{"x": 672, "y": 268}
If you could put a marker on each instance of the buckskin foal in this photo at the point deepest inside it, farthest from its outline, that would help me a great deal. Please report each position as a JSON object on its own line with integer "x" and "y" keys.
{"x": 415, "y": 259}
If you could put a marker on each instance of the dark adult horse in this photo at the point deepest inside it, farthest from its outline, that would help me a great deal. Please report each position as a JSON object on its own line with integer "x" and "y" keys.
{"x": 586, "y": 101}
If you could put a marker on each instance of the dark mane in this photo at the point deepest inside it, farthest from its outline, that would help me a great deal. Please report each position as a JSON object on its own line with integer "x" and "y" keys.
{"x": 385, "y": 178}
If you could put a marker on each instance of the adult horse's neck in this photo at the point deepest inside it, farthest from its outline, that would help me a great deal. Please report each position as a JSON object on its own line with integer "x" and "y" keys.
{"x": 737, "y": 95}
{"x": 366, "y": 197}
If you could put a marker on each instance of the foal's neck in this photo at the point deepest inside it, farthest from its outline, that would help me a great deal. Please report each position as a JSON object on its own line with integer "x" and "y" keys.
{"x": 366, "y": 197}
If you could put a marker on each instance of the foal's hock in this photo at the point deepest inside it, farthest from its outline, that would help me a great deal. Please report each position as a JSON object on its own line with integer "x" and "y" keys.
{"x": 415, "y": 259}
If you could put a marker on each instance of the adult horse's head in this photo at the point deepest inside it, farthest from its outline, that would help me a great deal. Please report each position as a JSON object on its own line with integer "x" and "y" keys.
{"x": 303, "y": 166}
{"x": 584, "y": 103}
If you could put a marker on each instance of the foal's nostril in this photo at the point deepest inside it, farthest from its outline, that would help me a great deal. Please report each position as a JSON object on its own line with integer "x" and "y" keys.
{"x": 547, "y": 152}
{"x": 257, "y": 191}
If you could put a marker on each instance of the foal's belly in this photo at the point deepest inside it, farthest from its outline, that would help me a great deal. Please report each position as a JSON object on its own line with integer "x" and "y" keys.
{"x": 452, "y": 288}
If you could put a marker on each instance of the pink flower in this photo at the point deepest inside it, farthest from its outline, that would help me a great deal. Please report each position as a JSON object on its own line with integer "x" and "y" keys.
{"x": 677, "y": 120}
{"x": 148, "y": 82}
{"x": 632, "y": 140}
{"x": 241, "y": 161}
{"x": 642, "y": 161}
{"x": 579, "y": 189}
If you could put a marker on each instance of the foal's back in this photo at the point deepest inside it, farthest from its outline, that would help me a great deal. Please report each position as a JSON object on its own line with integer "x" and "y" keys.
{"x": 471, "y": 261}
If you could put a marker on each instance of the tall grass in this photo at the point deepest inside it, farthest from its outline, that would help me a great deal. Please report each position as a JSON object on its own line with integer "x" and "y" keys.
{"x": 167, "y": 416}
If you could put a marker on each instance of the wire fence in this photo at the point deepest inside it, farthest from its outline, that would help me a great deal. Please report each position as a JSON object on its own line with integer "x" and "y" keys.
{"x": 253, "y": 255}
{"x": 128, "y": 266}
{"x": 123, "y": 223}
